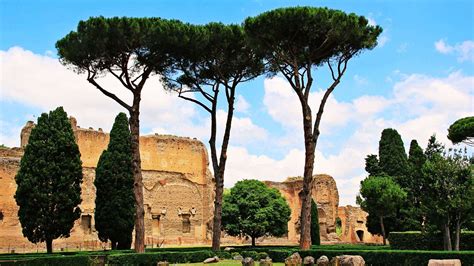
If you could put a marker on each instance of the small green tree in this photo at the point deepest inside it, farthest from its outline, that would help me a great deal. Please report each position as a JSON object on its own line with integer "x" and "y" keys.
{"x": 381, "y": 197}
{"x": 255, "y": 210}
{"x": 49, "y": 180}
{"x": 462, "y": 131}
{"x": 448, "y": 193}
{"x": 114, "y": 202}
{"x": 315, "y": 237}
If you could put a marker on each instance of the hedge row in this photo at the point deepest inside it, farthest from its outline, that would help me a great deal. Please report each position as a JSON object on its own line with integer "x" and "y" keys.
{"x": 72, "y": 260}
{"x": 145, "y": 259}
{"x": 371, "y": 257}
{"x": 415, "y": 240}
{"x": 383, "y": 257}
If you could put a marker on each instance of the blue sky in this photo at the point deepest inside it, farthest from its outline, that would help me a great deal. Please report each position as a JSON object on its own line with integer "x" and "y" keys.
{"x": 418, "y": 80}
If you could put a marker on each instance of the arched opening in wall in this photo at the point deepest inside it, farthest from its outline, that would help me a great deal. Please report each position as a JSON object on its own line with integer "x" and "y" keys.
{"x": 323, "y": 225}
{"x": 155, "y": 226}
{"x": 186, "y": 223}
{"x": 322, "y": 216}
{"x": 1, "y": 216}
{"x": 86, "y": 223}
{"x": 338, "y": 226}
{"x": 360, "y": 235}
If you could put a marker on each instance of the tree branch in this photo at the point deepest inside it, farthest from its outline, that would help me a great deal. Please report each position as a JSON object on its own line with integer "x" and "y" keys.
{"x": 180, "y": 95}
{"x": 91, "y": 79}
{"x": 120, "y": 79}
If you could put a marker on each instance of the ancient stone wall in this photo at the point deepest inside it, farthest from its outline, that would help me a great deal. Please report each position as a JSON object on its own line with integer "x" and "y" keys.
{"x": 324, "y": 193}
{"x": 178, "y": 197}
{"x": 178, "y": 191}
{"x": 354, "y": 227}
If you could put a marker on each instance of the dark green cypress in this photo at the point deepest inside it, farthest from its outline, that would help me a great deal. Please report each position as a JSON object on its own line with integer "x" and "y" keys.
{"x": 372, "y": 165}
{"x": 411, "y": 211}
{"x": 315, "y": 237}
{"x": 392, "y": 156}
{"x": 49, "y": 180}
{"x": 115, "y": 202}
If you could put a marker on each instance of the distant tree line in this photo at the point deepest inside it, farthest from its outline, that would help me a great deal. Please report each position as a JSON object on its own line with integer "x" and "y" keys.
{"x": 428, "y": 191}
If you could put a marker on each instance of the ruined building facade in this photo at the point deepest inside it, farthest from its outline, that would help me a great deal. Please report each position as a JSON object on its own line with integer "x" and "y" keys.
{"x": 178, "y": 191}
{"x": 178, "y": 196}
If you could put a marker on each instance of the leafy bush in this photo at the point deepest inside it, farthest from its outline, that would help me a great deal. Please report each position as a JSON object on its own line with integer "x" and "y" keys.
{"x": 223, "y": 255}
{"x": 352, "y": 247}
{"x": 415, "y": 240}
{"x": 145, "y": 259}
{"x": 249, "y": 253}
{"x": 51, "y": 260}
{"x": 279, "y": 255}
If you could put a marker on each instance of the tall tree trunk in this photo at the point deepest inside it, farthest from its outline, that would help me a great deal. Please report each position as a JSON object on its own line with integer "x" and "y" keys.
{"x": 49, "y": 246}
{"x": 457, "y": 240}
{"x": 253, "y": 241}
{"x": 137, "y": 176}
{"x": 113, "y": 244}
{"x": 447, "y": 236}
{"x": 217, "y": 219}
{"x": 382, "y": 227}
{"x": 305, "y": 234}
{"x": 219, "y": 174}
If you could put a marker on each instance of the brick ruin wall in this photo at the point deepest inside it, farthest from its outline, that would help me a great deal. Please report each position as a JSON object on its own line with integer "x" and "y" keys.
{"x": 354, "y": 227}
{"x": 324, "y": 192}
{"x": 178, "y": 197}
{"x": 178, "y": 191}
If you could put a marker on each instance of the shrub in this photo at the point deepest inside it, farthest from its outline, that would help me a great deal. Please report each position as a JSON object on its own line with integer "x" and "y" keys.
{"x": 73, "y": 260}
{"x": 249, "y": 253}
{"x": 223, "y": 255}
{"x": 145, "y": 259}
{"x": 261, "y": 255}
{"x": 415, "y": 240}
{"x": 279, "y": 255}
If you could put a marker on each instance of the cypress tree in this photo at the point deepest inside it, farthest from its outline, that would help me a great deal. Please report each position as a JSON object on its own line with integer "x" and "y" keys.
{"x": 315, "y": 237}
{"x": 414, "y": 215}
{"x": 49, "y": 180}
{"x": 372, "y": 165}
{"x": 115, "y": 202}
{"x": 416, "y": 157}
{"x": 392, "y": 155}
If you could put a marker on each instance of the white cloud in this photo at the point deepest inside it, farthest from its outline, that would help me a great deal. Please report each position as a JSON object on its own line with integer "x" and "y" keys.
{"x": 241, "y": 105}
{"x": 283, "y": 106}
{"x": 41, "y": 81}
{"x": 419, "y": 106}
{"x": 382, "y": 40}
{"x": 367, "y": 105}
{"x": 464, "y": 51}
{"x": 371, "y": 21}
{"x": 442, "y": 47}
{"x": 359, "y": 80}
